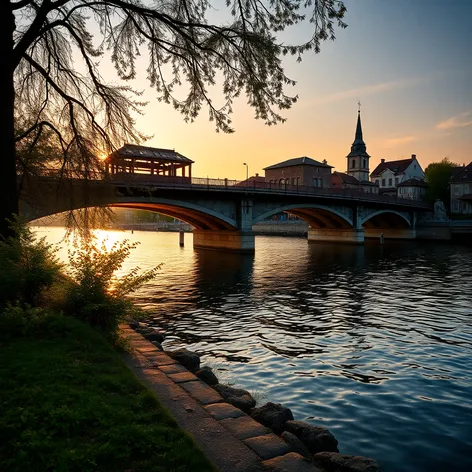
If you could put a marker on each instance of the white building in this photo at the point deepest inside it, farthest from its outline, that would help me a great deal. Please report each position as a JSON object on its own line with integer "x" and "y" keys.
{"x": 387, "y": 175}
{"x": 414, "y": 189}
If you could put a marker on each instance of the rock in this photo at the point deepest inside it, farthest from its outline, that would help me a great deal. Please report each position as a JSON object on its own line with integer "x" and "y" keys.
{"x": 296, "y": 445}
{"x": 133, "y": 324}
{"x": 272, "y": 415}
{"x": 206, "y": 374}
{"x": 334, "y": 462}
{"x": 238, "y": 397}
{"x": 153, "y": 335}
{"x": 315, "y": 438}
{"x": 188, "y": 359}
{"x": 158, "y": 345}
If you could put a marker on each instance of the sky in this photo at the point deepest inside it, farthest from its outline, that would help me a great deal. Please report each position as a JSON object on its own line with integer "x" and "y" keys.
{"x": 407, "y": 61}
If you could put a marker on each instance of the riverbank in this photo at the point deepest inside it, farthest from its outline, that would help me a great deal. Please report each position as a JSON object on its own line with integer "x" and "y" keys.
{"x": 69, "y": 403}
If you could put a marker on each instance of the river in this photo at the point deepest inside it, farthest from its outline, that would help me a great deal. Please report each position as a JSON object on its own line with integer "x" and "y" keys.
{"x": 373, "y": 342}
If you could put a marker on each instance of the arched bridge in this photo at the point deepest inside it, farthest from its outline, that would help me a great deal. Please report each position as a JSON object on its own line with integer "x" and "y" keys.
{"x": 223, "y": 212}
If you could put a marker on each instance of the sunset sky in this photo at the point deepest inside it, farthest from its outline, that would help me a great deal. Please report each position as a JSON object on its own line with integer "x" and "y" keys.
{"x": 407, "y": 61}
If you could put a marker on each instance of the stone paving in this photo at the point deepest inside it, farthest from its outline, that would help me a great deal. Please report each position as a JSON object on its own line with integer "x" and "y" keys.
{"x": 231, "y": 439}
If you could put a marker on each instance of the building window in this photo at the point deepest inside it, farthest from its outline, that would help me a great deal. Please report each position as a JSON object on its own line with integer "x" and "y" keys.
{"x": 390, "y": 182}
{"x": 383, "y": 182}
{"x": 353, "y": 165}
{"x": 396, "y": 180}
{"x": 315, "y": 182}
{"x": 365, "y": 163}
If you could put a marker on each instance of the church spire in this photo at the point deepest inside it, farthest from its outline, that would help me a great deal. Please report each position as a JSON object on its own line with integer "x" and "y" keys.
{"x": 358, "y": 137}
{"x": 358, "y": 147}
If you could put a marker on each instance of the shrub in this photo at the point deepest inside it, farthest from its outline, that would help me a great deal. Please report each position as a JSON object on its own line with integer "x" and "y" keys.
{"x": 29, "y": 266}
{"x": 96, "y": 295}
{"x": 23, "y": 320}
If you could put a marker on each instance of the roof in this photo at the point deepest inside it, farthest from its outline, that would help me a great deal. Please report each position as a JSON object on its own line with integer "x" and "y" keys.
{"x": 456, "y": 171}
{"x": 146, "y": 152}
{"x": 398, "y": 167}
{"x": 250, "y": 181}
{"x": 351, "y": 180}
{"x": 358, "y": 147}
{"x": 346, "y": 178}
{"x": 462, "y": 175}
{"x": 413, "y": 182}
{"x": 298, "y": 161}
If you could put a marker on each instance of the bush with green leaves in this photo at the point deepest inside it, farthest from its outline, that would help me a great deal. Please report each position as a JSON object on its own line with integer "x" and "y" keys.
{"x": 23, "y": 320}
{"x": 97, "y": 296}
{"x": 28, "y": 266}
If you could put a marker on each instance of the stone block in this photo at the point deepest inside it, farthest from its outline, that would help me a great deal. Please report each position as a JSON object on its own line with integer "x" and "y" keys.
{"x": 202, "y": 392}
{"x": 245, "y": 427}
{"x": 181, "y": 377}
{"x": 159, "y": 358}
{"x": 268, "y": 446}
{"x": 221, "y": 411}
{"x": 174, "y": 368}
{"x": 290, "y": 462}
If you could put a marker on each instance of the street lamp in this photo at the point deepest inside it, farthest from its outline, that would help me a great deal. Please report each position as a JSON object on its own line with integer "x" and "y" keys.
{"x": 247, "y": 173}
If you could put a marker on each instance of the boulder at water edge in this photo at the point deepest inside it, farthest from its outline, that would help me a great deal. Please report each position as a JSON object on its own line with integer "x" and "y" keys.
{"x": 188, "y": 359}
{"x": 158, "y": 345}
{"x": 206, "y": 374}
{"x": 334, "y": 462}
{"x": 315, "y": 438}
{"x": 238, "y": 397}
{"x": 153, "y": 334}
{"x": 296, "y": 445}
{"x": 272, "y": 415}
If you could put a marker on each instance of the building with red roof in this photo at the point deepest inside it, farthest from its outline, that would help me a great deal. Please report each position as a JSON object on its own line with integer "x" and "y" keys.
{"x": 389, "y": 174}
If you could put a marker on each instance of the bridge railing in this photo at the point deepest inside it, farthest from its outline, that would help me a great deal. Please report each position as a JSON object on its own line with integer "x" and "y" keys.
{"x": 231, "y": 185}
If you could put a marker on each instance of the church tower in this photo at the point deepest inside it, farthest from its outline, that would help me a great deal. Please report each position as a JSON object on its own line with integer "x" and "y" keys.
{"x": 358, "y": 159}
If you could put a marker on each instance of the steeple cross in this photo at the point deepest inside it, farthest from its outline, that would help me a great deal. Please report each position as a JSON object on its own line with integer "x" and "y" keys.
{"x": 359, "y": 109}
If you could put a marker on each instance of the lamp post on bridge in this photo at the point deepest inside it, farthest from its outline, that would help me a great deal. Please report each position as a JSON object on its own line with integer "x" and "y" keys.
{"x": 247, "y": 174}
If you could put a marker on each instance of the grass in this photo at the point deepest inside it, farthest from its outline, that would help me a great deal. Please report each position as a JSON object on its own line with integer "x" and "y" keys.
{"x": 68, "y": 403}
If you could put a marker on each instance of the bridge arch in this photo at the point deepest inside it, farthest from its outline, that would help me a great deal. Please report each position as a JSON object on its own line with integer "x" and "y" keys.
{"x": 317, "y": 216}
{"x": 201, "y": 218}
{"x": 386, "y": 218}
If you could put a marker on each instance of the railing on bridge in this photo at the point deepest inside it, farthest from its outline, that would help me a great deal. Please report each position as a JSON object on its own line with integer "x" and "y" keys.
{"x": 176, "y": 182}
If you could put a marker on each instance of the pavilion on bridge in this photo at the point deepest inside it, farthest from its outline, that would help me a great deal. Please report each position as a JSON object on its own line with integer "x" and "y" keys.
{"x": 149, "y": 163}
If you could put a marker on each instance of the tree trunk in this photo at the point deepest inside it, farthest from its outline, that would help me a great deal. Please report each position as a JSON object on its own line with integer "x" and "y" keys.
{"x": 8, "y": 179}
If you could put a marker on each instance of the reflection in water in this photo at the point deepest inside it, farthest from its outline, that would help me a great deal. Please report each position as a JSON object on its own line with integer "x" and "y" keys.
{"x": 373, "y": 342}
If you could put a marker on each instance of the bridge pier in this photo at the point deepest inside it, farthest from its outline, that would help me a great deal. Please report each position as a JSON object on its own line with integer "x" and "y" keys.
{"x": 336, "y": 235}
{"x": 224, "y": 240}
{"x": 390, "y": 233}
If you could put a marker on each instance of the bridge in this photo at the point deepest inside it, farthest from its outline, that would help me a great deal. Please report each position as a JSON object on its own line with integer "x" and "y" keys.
{"x": 223, "y": 211}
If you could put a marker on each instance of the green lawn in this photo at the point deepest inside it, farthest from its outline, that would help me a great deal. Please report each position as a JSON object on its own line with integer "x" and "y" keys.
{"x": 68, "y": 403}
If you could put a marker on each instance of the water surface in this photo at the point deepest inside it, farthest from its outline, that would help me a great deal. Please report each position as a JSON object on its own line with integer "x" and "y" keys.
{"x": 373, "y": 342}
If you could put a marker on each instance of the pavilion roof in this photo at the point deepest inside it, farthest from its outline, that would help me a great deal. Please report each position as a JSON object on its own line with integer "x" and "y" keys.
{"x": 151, "y": 154}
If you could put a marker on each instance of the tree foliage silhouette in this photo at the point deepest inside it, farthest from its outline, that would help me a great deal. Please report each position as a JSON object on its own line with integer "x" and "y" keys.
{"x": 438, "y": 175}
{"x": 53, "y": 92}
